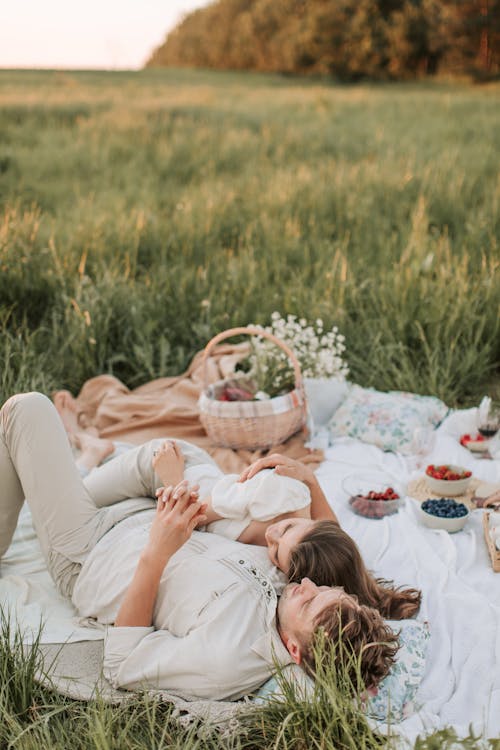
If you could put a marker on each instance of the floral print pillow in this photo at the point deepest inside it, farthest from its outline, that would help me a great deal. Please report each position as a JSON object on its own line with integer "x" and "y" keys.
{"x": 390, "y": 420}
{"x": 395, "y": 698}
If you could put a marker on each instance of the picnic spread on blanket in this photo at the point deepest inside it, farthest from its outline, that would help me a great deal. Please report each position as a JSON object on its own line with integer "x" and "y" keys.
{"x": 377, "y": 449}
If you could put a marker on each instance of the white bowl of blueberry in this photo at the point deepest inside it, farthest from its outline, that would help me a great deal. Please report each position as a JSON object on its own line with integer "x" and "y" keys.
{"x": 444, "y": 513}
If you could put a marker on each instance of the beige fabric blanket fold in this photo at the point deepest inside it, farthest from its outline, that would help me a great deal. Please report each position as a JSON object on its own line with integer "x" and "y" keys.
{"x": 168, "y": 407}
{"x": 75, "y": 670}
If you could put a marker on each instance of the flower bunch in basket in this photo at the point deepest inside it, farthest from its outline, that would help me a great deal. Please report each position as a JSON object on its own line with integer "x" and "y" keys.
{"x": 318, "y": 351}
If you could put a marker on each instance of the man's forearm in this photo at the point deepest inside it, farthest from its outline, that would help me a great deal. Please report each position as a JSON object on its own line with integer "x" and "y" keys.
{"x": 137, "y": 607}
{"x": 177, "y": 513}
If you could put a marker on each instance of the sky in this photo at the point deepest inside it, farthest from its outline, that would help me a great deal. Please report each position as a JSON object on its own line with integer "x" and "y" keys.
{"x": 109, "y": 34}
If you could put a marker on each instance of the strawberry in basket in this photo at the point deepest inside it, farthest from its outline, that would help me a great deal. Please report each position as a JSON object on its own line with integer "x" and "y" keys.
{"x": 235, "y": 393}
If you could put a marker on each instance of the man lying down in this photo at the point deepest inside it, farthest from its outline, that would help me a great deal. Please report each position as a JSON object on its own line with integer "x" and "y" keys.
{"x": 192, "y": 613}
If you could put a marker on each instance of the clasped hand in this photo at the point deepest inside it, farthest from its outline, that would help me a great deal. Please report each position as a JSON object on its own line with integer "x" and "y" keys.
{"x": 178, "y": 513}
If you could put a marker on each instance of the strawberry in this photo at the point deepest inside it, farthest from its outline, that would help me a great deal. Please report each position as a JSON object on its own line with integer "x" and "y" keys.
{"x": 235, "y": 393}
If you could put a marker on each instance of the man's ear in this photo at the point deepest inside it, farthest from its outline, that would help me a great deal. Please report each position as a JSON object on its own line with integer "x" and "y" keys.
{"x": 294, "y": 649}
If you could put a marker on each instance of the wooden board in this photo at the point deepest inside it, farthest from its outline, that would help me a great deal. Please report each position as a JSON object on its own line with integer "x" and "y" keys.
{"x": 494, "y": 553}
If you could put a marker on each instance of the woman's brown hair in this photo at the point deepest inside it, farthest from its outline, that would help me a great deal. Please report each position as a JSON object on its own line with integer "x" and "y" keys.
{"x": 329, "y": 557}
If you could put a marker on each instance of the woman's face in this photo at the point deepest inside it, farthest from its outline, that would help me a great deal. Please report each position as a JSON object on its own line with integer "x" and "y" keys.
{"x": 283, "y": 536}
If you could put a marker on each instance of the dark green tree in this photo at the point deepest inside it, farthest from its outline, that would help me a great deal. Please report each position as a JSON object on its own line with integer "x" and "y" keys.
{"x": 417, "y": 38}
{"x": 350, "y": 39}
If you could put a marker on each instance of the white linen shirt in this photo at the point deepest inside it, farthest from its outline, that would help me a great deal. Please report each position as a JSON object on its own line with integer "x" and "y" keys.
{"x": 214, "y": 630}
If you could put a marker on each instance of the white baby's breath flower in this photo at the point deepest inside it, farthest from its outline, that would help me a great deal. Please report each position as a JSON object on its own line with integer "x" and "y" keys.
{"x": 318, "y": 352}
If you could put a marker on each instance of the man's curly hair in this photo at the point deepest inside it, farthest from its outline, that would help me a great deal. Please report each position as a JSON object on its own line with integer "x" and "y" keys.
{"x": 356, "y": 638}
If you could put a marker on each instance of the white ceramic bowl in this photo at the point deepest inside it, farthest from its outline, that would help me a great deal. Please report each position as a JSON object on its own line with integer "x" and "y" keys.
{"x": 448, "y": 524}
{"x": 447, "y": 487}
{"x": 477, "y": 446}
{"x": 358, "y": 486}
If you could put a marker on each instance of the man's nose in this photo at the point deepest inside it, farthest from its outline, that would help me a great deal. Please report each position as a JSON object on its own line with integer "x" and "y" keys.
{"x": 306, "y": 584}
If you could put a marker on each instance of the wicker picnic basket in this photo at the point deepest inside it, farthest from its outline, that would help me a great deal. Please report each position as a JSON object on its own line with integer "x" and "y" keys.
{"x": 251, "y": 425}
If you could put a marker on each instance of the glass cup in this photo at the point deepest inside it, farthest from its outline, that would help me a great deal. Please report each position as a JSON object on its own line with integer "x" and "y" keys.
{"x": 488, "y": 423}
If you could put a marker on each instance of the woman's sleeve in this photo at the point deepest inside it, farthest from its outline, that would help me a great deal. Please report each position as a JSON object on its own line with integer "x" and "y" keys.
{"x": 261, "y": 498}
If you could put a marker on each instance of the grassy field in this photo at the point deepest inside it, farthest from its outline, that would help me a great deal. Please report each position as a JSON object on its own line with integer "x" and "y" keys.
{"x": 142, "y": 213}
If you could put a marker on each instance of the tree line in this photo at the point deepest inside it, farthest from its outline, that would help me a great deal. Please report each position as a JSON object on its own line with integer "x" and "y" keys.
{"x": 348, "y": 39}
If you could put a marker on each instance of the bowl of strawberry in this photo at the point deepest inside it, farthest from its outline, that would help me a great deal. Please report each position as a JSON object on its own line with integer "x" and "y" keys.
{"x": 475, "y": 443}
{"x": 447, "y": 479}
{"x": 373, "y": 496}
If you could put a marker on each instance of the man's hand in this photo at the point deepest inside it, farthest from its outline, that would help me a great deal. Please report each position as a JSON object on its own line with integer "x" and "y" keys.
{"x": 168, "y": 462}
{"x": 283, "y": 465}
{"x": 177, "y": 514}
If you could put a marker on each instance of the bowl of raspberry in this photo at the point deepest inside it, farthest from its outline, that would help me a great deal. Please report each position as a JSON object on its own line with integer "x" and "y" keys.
{"x": 373, "y": 496}
{"x": 444, "y": 513}
{"x": 447, "y": 479}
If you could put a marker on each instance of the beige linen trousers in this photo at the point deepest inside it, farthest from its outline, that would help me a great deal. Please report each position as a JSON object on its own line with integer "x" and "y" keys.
{"x": 70, "y": 515}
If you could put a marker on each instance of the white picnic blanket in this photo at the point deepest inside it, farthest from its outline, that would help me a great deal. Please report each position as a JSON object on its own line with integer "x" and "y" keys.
{"x": 461, "y": 593}
{"x": 461, "y": 599}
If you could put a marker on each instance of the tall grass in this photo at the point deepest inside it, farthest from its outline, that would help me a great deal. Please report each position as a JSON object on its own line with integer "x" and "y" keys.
{"x": 142, "y": 213}
{"x": 34, "y": 717}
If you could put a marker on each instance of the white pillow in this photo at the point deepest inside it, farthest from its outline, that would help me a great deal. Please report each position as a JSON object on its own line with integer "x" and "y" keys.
{"x": 324, "y": 396}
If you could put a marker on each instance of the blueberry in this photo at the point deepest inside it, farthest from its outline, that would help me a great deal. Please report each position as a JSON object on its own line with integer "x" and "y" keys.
{"x": 445, "y": 507}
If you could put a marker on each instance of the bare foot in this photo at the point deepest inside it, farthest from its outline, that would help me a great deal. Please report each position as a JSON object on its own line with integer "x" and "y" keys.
{"x": 66, "y": 407}
{"x": 93, "y": 449}
{"x": 168, "y": 462}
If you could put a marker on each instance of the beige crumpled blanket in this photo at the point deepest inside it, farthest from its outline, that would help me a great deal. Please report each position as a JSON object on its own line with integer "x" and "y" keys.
{"x": 168, "y": 407}
{"x": 75, "y": 670}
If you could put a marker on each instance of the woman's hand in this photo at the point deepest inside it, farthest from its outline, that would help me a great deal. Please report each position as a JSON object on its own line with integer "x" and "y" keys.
{"x": 168, "y": 462}
{"x": 283, "y": 465}
{"x": 178, "y": 512}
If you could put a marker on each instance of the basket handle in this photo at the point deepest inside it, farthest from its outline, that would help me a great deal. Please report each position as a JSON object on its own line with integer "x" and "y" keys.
{"x": 252, "y": 332}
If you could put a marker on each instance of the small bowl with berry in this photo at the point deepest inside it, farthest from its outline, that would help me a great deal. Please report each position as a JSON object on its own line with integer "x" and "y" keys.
{"x": 444, "y": 513}
{"x": 447, "y": 479}
{"x": 476, "y": 443}
{"x": 373, "y": 496}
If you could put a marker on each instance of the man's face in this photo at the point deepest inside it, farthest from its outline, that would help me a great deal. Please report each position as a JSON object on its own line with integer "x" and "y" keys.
{"x": 298, "y": 607}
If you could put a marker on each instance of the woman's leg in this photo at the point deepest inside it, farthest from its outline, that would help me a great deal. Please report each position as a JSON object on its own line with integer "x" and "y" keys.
{"x": 36, "y": 462}
{"x": 93, "y": 451}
